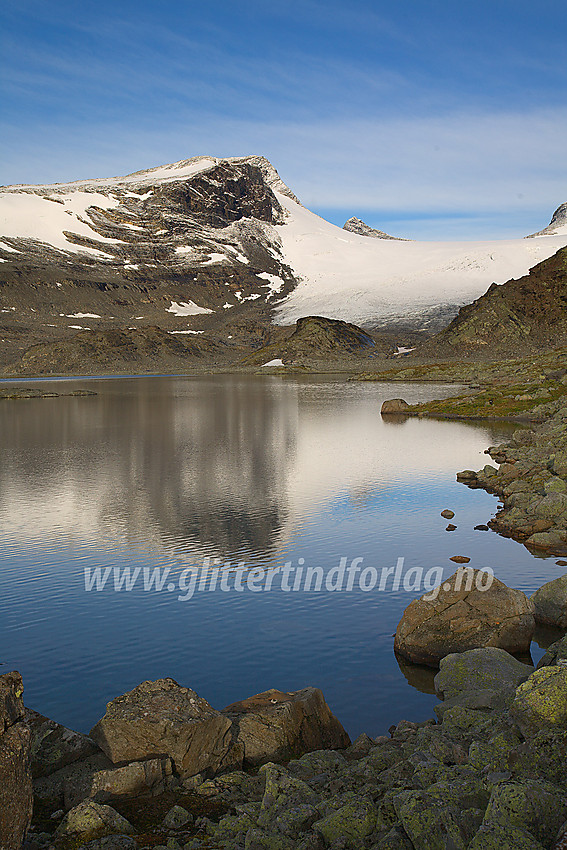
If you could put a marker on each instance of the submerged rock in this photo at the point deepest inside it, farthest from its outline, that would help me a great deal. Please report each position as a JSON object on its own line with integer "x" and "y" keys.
{"x": 464, "y": 616}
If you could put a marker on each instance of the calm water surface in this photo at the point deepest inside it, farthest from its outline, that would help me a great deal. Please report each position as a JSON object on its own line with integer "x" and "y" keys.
{"x": 166, "y": 472}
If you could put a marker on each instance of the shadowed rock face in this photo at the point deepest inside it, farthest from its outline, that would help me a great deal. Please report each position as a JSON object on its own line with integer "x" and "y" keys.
{"x": 518, "y": 316}
{"x": 16, "y": 796}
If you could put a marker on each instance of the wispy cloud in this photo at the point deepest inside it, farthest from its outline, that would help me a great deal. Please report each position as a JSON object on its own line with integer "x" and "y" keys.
{"x": 363, "y": 107}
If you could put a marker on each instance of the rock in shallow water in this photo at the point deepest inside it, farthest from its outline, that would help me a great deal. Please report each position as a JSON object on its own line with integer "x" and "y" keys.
{"x": 394, "y": 405}
{"x": 464, "y": 616}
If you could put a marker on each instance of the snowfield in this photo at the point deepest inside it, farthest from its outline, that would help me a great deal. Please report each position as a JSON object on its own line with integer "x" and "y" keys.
{"x": 362, "y": 280}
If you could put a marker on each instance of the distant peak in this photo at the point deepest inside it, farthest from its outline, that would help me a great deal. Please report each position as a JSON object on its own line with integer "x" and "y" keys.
{"x": 356, "y": 225}
{"x": 557, "y": 226}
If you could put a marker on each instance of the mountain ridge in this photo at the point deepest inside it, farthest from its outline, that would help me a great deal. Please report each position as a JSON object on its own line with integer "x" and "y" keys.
{"x": 224, "y": 247}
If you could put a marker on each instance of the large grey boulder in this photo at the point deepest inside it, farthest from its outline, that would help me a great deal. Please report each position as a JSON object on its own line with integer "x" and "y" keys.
{"x": 162, "y": 718}
{"x": 278, "y": 726}
{"x": 465, "y": 616}
{"x": 16, "y": 794}
{"x": 541, "y": 701}
{"x": 550, "y": 603}
{"x": 54, "y": 746}
{"x": 488, "y": 669}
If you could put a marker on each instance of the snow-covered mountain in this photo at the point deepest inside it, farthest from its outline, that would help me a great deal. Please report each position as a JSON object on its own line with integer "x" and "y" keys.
{"x": 207, "y": 242}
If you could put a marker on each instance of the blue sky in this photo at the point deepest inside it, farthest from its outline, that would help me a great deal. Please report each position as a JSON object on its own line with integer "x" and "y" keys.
{"x": 427, "y": 119}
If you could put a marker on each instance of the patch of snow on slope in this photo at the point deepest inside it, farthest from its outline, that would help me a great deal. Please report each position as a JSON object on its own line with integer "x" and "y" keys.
{"x": 30, "y": 216}
{"x": 346, "y": 276}
{"x": 214, "y": 258}
{"x": 83, "y": 316}
{"x": 277, "y": 362}
{"x": 187, "y": 308}
{"x": 275, "y": 283}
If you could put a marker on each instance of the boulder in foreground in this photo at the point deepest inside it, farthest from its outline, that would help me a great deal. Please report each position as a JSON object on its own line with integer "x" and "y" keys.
{"x": 541, "y": 702}
{"x": 162, "y": 718}
{"x": 465, "y": 616}
{"x": 277, "y": 726}
{"x": 16, "y": 797}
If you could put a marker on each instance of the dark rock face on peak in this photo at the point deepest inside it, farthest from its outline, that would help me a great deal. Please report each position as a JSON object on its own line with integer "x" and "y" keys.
{"x": 517, "y": 317}
{"x": 558, "y": 219}
{"x": 223, "y": 194}
{"x": 356, "y": 225}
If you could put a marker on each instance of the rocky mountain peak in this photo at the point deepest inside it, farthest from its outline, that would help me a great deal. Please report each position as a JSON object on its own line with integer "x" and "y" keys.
{"x": 557, "y": 225}
{"x": 356, "y": 225}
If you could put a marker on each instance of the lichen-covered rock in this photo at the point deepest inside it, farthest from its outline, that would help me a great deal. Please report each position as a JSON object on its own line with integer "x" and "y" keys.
{"x": 92, "y": 820}
{"x": 283, "y": 793}
{"x": 277, "y": 726}
{"x": 162, "y": 718}
{"x": 352, "y": 823}
{"x": 176, "y": 818}
{"x": 16, "y": 796}
{"x": 509, "y": 837}
{"x": 431, "y": 825}
{"x": 536, "y": 807}
{"x": 464, "y": 615}
{"x": 111, "y": 842}
{"x": 541, "y": 701}
{"x": 489, "y": 668}
{"x": 550, "y": 603}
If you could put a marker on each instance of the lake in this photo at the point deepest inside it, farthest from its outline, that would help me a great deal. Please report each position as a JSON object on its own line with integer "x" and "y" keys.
{"x": 253, "y": 485}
